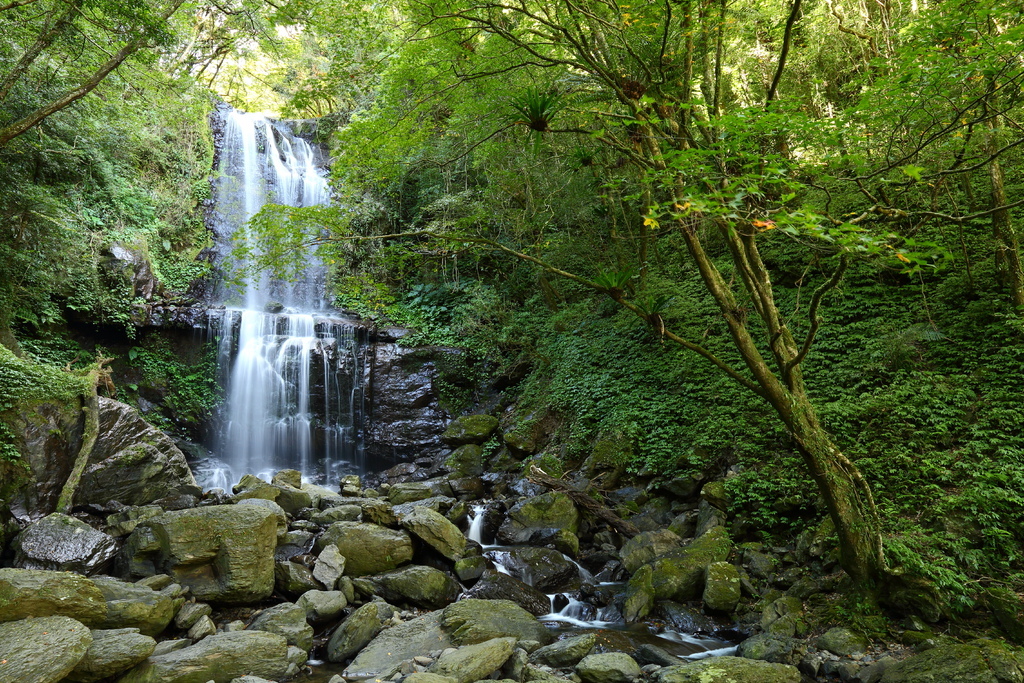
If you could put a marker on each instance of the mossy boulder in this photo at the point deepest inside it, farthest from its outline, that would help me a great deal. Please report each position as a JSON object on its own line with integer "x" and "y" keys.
{"x": 979, "y": 661}
{"x": 223, "y": 553}
{"x": 353, "y": 634}
{"x": 771, "y": 648}
{"x": 566, "y": 652}
{"x": 367, "y": 548}
{"x": 474, "y": 662}
{"x": 716, "y": 495}
{"x": 416, "y": 585}
{"x": 435, "y": 530}
{"x": 133, "y": 605}
{"x": 537, "y": 520}
{"x": 721, "y": 587}
{"x": 37, "y": 593}
{"x": 63, "y": 543}
{"x": 1009, "y": 612}
{"x": 466, "y": 461}
{"x": 608, "y": 667}
{"x": 646, "y": 546}
{"x": 470, "y": 429}
{"x": 843, "y": 642}
{"x": 474, "y": 621}
{"x": 287, "y": 620}
{"x": 42, "y": 650}
{"x": 728, "y": 670}
{"x": 220, "y": 658}
{"x": 677, "y": 575}
{"x": 111, "y": 652}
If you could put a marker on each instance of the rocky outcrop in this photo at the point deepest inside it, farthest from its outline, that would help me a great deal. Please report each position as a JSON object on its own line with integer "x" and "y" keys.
{"x": 133, "y": 462}
{"x": 980, "y": 661}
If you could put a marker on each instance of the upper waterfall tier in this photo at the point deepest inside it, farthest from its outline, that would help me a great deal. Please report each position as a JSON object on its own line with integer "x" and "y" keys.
{"x": 262, "y": 162}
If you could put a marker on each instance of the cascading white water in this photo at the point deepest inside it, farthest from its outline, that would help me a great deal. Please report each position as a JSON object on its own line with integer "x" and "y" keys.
{"x": 292, "y": 372}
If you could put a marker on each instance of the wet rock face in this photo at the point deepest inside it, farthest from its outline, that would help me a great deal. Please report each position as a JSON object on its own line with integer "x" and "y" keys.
{"x": 406, "y": 420}
{"x": 63, "y": 543}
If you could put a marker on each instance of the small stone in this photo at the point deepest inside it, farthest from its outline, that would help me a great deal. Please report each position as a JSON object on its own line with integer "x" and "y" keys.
{"x": 203, "y": 627}
{"x": 190, "y": 613}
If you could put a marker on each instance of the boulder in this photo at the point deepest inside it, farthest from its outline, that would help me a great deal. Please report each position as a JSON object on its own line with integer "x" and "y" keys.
{"x": 608, "y": 667}
{"x": 435, "y": 530}
{"x": 470, "y": 568}
{"x": 470, "y": 429}
{"x": 294, "y": 579}
{"x": 279, "y": 513}
{"x": 219, "y": 658}
{"x": 111, "y": 652}
{"x": 131, "y": 605}
{"x": 497, "y": 586}
{"x": 223, "y": 553}
{"x": 410, "y": 491}
{"x": 721, "y": 587}
{"x": 383, "y": 656}
{"x": 565, "y": 653}
{"x": 330, "y": 566}
{"x": 677, "y": 575}
{"x": 340, "y": 513}
{"x": 474, "y": 662}
{"x": 728, "y": 669}
{"x": 417, "y": 585}
{"x": 63, "y": 543}
{"x": 541, "y": 520}
{"x": 715, "y": 494}
{"x": 771, "y": 648}
{"x": 322, "y": 607}
{"x": 646, "y": 546}
{"x": 190, "y": 613}
{"x": 203, "y": 627}
{"x": 251, "y": 486}
{"x": 979, "y": 661}
{"x": 123, "y": 522}
{"x": 368, "y": 548}
{"x": 41, "y": 650}
{"x": 546, "y": 570}
{"x": 474, "y": 621}
{"x": 843, "y": 642}
{"x": 358, "y": 630}
{"x": 133, "y": 462}
{"x": 37, "y": 593}
{"x": 287, "y": 620}
{"x": 466, "y": 461}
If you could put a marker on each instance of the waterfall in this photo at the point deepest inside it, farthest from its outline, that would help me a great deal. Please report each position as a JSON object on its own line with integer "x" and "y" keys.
{"x": 292, "y": 369}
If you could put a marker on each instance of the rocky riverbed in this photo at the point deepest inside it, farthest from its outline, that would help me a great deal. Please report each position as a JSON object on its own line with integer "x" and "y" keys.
{"x": 430, "y": 574}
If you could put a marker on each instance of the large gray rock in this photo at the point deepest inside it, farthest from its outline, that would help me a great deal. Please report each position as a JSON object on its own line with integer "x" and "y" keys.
{"x": 497, "y": 586}
{"x": 416, "y": 585}
{"x": 358, "y": 630}
{"x": 546, "y": 570}
{"x": 63, "y": 543}
{"x": 133, "y": 462}
{"x": 42, "y": 650}
{"x": 131, "y": 605}
{"x": 329, "y": 566}
{"x": 474, "y": 621}
{"x": 322, "y": 607}
{"x": 979, "y": 661}
{"x": 608, "y": 667}
{"x": 474, "y": 662}
{"x": 565, "y": 653}
{"x": 382, "y": 657}
{"x": 36, "y": 593}
{"x": 368, "y": 548}
{"x": 547, "y": 518}
{"x": 111, "y": 652}
{"x": 843, "y": 641}
{"x": 728, "y": 669}
{"x": 218, "y": 658}
{"x": 223, "y": 553}
{"x": 288, "y": 620}
{"x": 646, "y": 546}
{"x": 677, "y": 575}
{"x": 435, "y": 530}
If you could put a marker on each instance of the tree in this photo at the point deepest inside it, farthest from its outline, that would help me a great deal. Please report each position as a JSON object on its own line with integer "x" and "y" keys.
{"x": 93, "y": 29}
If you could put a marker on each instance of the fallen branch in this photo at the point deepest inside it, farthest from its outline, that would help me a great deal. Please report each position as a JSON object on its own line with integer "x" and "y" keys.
{"x": 539, "y": 476}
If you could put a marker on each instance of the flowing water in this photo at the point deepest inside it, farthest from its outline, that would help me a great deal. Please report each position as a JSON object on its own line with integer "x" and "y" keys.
{"x": 292, "y": 370}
